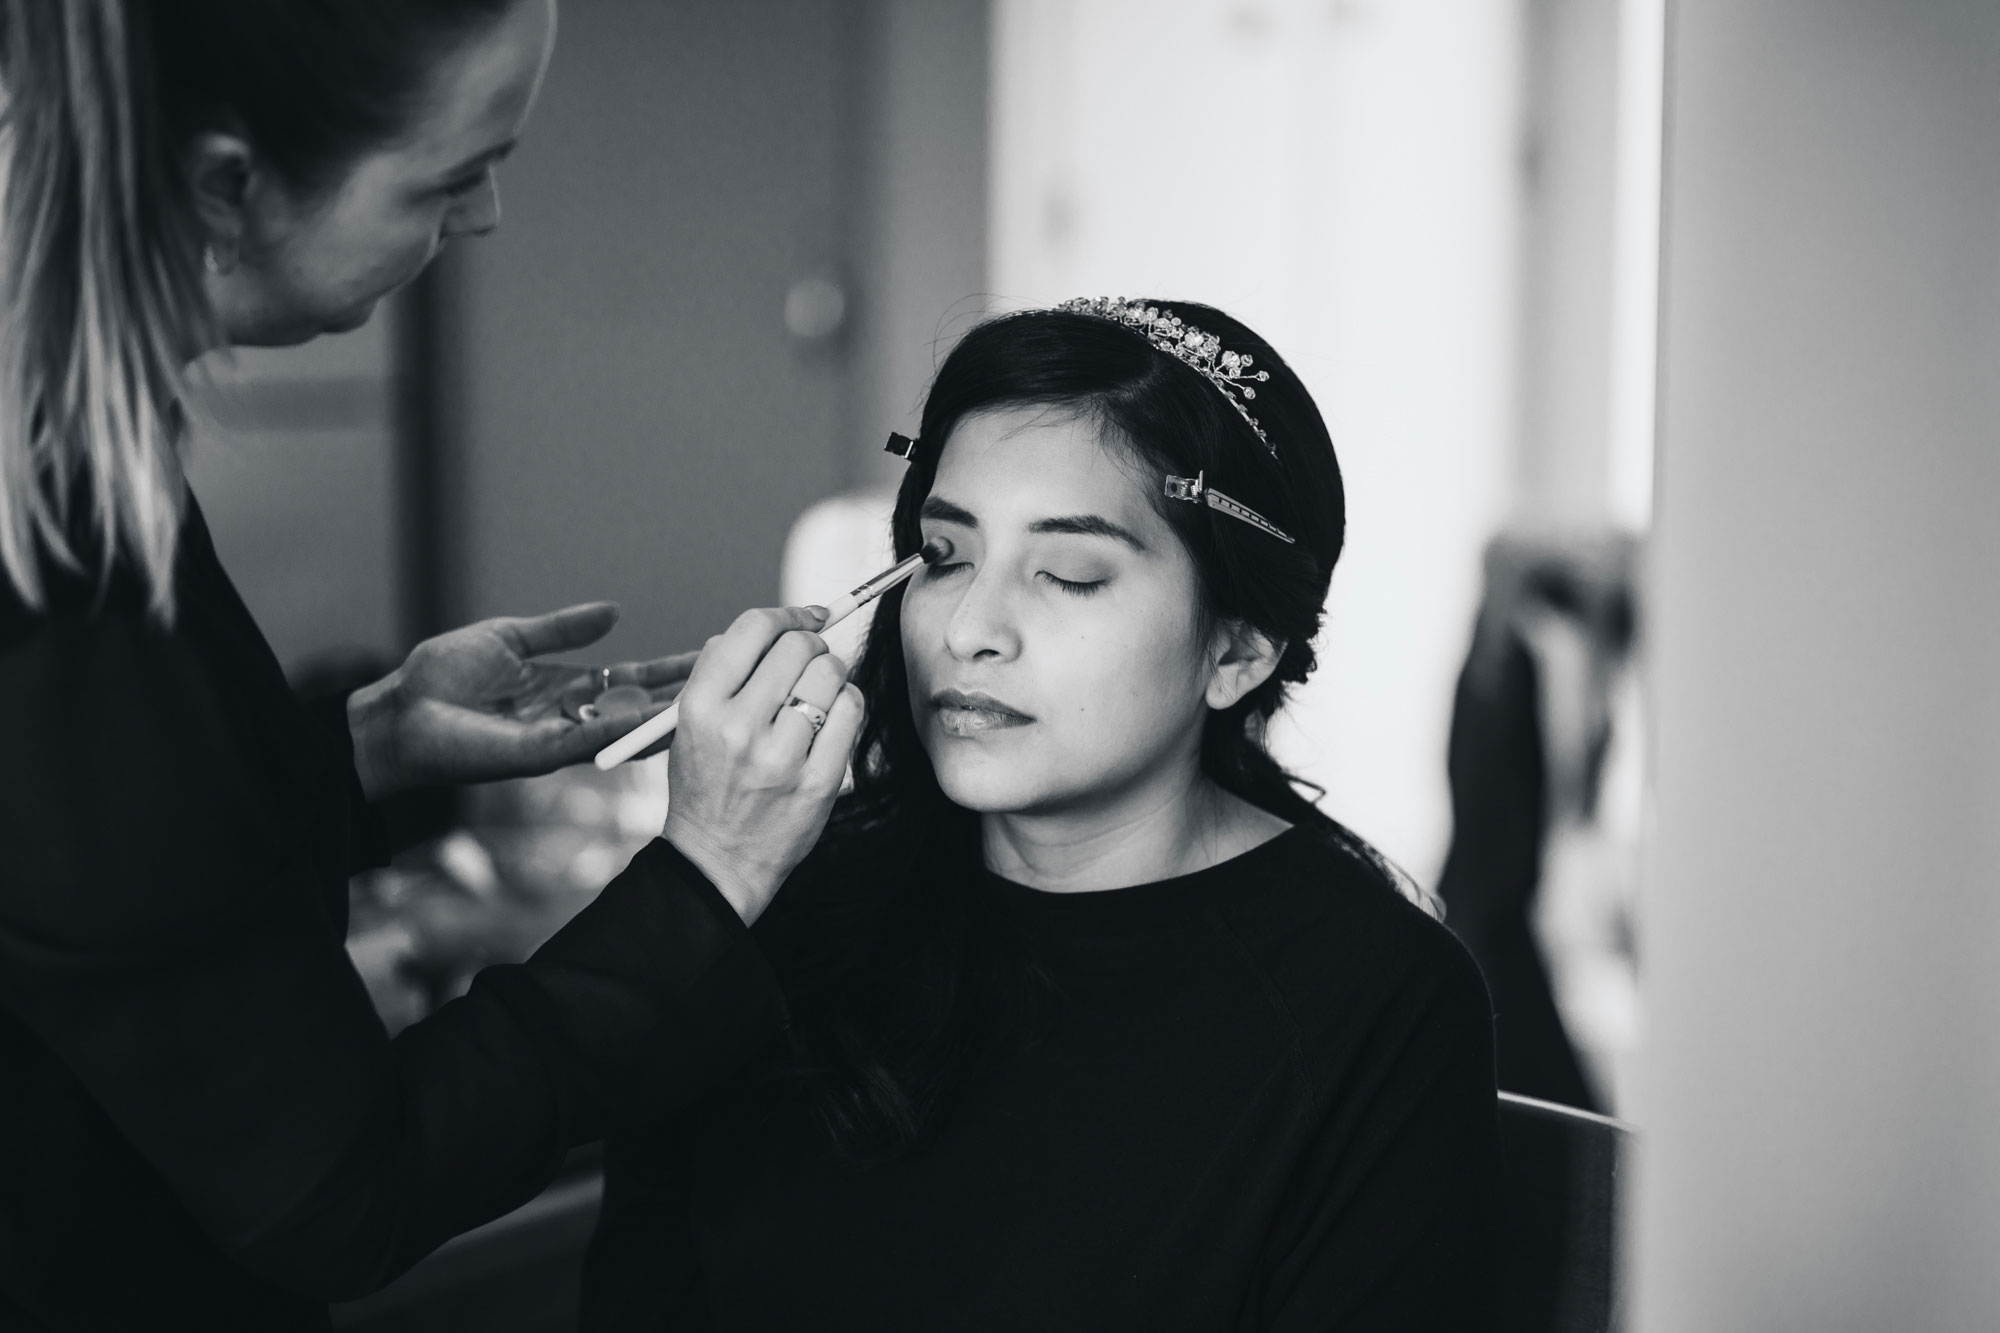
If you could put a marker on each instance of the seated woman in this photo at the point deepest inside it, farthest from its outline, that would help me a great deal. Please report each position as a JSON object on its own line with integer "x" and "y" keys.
{"x": 1096, "y": 1022}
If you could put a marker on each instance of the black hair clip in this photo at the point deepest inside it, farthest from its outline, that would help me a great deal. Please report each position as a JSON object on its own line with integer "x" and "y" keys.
{"x": 902, "y": 446}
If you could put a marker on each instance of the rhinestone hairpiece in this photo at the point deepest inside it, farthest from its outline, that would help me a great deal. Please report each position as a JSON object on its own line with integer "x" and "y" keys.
{"x": 1231, "y": 372}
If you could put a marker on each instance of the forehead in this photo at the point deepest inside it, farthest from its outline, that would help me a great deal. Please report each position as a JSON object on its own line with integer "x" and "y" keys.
{"x": 479, "y": 92}
{"x": 1014, "y": 465}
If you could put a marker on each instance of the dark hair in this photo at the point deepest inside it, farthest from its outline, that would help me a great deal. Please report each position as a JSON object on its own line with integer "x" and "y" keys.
{"x": 312, "y": 82}
{"x": 930, "y": 984}
{"x": 100, "y": 249}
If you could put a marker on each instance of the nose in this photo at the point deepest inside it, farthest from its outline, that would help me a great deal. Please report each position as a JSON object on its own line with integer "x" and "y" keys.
{"x": 983, "y": 626}
{"x": 478, "y": 214}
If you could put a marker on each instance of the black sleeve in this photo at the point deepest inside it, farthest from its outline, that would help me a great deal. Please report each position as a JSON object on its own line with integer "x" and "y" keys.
{"x": 368, "y": 840}
{"x": 1393, "y": 1223}
{"x": 641, "y": 1272}
{"x": 163, "y": 932}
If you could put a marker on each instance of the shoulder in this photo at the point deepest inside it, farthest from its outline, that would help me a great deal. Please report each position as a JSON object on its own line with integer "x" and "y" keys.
{"x": 864, "y": 890}
{"x": 83, "y": 604}
{"x": 1347, "y": 956}
{"x": 828, "y": 913}
{"x": 78, "y": 659}
{"x": 126, "y": 800}
{"x": 95, "y": 627}
{"x": 75, "y": 604}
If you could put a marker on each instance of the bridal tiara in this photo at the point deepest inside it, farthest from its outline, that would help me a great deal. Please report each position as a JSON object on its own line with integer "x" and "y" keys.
{"x": 1231, "y": 372}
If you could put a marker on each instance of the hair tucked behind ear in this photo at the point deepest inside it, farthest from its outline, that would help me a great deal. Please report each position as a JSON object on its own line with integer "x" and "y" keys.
{"x": 100, "y": 298}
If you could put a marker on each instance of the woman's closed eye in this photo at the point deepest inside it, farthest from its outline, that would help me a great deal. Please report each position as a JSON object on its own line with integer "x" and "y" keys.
{"x": 1074, "y": 587}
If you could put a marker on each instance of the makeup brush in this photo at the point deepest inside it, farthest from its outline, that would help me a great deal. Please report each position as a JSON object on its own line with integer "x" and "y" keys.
{"x": 840, "y": 608}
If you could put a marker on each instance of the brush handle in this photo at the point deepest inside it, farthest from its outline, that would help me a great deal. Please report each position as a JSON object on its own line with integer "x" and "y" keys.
{"x": 641, "y": 736}
{"x": 840, "y": 608}
{"x": 845, "y": 605}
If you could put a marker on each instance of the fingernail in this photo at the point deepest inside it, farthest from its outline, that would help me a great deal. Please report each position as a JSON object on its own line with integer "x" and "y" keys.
{"x": 816, "y": 612}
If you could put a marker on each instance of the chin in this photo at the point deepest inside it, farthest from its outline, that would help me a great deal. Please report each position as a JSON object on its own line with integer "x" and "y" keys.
{"x": 303, "y": 329}
{"x": 990, "y": 786}
{"x": 351, "y": 320}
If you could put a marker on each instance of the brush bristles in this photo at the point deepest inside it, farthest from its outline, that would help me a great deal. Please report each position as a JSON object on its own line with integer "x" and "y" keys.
{"x": 936, "y": 549}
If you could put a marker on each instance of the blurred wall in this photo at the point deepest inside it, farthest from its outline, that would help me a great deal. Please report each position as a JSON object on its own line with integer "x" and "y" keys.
{"x": 1569, "y": 168}
{"x": 728, "y": 235}
{"x": 293, "y": 459}
{"x": 918, "y": 235}
{"x": 1823, "y": 1076}
{"x": 1590, "y": 163}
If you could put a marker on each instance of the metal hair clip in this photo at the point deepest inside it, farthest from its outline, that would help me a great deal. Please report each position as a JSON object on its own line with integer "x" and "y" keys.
{"x": 1196, "y": 489}
{"x": 902, "y": 446}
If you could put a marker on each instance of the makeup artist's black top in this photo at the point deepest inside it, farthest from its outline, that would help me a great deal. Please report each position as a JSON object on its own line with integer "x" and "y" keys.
{"x": 1267, "y": 1103}
{"x": 202, "y": 1122}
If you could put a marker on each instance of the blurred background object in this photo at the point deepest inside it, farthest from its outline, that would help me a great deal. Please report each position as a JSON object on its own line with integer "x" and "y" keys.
{"x": 1545, "y": 765}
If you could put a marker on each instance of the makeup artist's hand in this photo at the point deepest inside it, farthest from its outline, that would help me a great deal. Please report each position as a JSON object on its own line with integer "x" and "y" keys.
{"x": 469, "y": 705}
{"x": 752, "y": 783}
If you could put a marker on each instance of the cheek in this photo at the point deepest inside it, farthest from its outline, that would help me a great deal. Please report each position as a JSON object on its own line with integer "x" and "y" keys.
{"x": 927, "y": 665}
{"x": 1122, "y": 682}
{"x": 361, "y": 252}
{"x": 1143, "y": 685}
{"x": 401, "y": 249}
{"x": 921, "y": 634}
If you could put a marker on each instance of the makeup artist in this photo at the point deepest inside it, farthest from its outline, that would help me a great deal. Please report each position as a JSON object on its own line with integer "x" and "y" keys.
{"x": 202, "y": 1121}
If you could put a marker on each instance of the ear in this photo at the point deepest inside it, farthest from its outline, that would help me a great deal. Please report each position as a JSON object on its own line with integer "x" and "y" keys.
{"x": 222, "y": 173}
{"x": 1244, "y": 658}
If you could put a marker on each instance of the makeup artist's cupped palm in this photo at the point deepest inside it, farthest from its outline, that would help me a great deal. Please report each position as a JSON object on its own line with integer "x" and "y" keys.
{"x": 472, "y": 705}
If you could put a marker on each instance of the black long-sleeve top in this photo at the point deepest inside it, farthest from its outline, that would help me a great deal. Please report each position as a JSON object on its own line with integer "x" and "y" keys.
{"x": 202, "y": 1121}
{"x": 1266, "y": 1103}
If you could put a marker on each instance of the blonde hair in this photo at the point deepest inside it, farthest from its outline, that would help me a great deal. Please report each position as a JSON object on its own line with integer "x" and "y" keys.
{"x": 101, "y": 301}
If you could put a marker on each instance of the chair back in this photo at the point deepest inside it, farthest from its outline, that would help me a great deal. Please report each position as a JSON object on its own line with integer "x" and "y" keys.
{"x": 1560, "y": 1167}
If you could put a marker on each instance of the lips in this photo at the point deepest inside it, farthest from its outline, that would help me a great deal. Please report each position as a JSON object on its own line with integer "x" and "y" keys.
{"x": 963, "y": 714}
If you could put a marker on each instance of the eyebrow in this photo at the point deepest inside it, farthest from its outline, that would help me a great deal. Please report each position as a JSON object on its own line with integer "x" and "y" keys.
{"x": 484, "y": 158}
{"x": 1078, "y": 525}
{"x": 944, "y": 511}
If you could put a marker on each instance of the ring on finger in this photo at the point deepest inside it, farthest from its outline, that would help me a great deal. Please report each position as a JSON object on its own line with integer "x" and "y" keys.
{"x": 811, "y": 712}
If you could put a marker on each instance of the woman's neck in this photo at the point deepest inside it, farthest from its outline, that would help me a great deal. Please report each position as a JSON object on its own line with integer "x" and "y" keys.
{"x": 1158, "y": 835}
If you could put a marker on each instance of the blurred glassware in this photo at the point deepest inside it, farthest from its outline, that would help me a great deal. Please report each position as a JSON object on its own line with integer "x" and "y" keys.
{"x": 530, "y": 855}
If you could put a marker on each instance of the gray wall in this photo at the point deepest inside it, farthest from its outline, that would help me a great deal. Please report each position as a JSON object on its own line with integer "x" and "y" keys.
{"x": 293, "y": 459}
{"x": 1569, "y": 170}
{"x": 918, "y": 242}
{"x": 635, "y": 420}
{"x": 1823, "y": 1080}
